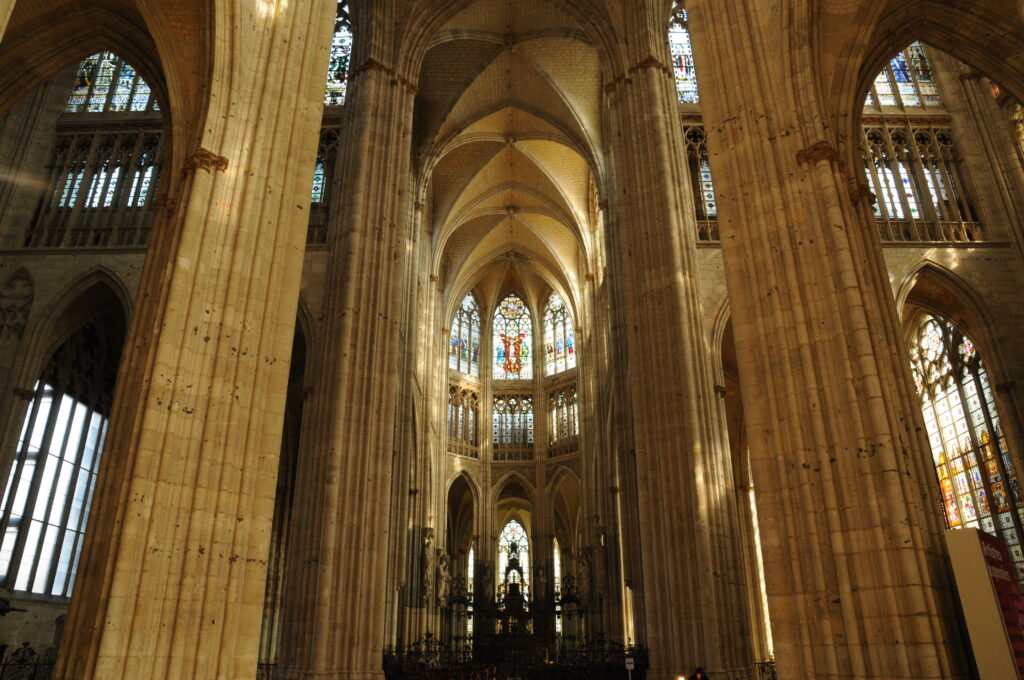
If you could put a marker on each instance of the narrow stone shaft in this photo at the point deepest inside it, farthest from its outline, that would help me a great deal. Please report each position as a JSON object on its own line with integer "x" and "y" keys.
{"x": 347, "y": 602}
{"x": 683, "y": 472}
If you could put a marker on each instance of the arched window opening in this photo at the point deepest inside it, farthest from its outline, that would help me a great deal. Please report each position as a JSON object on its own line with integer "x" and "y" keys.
{"x": 513, "y": 427}
{"x": 463, "y": 414}
{"x": 701, "y": 186}
{"x": 50, "y": 488}
{"x": 559, "y": 337}
{"x": 513, "y": 338}
{"x": 470, "y": 566}
{"x": 103, "y": 172}
{"x": 563, "y": 420}
{"x": 556, "y": 577}
{"x": 913, "y": 164}
{"x": 514, "y": 559}
{"x": 976, "y": 476}
{"x": 341, "y": 54}
{"x": 682, "y": 56}
{"x": 907, "y": 80}
{"x": 323, "y": 177}
{"x": 464, "y": 342}
{"x": 105, "y": 83}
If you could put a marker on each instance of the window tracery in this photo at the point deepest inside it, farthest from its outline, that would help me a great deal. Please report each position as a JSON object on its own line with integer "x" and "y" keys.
{"x": 563, "y": 416}
{"x": 464, "y": 341}
{"x": 339, "y": 66}
{"x": 463, "y": 417}
{"x": 512, "y": 420}
{"x": 323, "y": 178}
{"x": 977, "y": 479}
{"x": 559, "y": 337}
{"x": 514, "y": 557}
{"x": 917, "y": 175}
{"x": 100, "y": 186}
{"x": 913, "y": 165}
{"x": 513, "y": 340}
{"x": 49, "y": 489}
{"x": 701, "y": 185}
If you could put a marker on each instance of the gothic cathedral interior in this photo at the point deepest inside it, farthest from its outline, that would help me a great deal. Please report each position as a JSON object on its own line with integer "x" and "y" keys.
{"x": 507, "y": 339}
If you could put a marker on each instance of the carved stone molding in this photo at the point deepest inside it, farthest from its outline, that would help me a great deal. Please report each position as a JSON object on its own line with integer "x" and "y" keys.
{"x": 821, "y": 151}
{"x": 372, "y": 64}
{"x": 651, "y": 62}
{"x": 204, "y": 159}
{"x": 15, "y": 304}
{"x": 860, "y": 191}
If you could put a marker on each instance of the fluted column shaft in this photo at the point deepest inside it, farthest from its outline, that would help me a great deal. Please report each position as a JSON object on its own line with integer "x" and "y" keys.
{"x": 171, "y": 581}
{"x": 683, "y": 471}
{"x": 345, "y": 607}
{"x": 850, "y": 524}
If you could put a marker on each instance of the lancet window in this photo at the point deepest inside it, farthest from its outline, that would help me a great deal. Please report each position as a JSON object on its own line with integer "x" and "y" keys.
{"x": 49, "y": 489}
{"x": 513, "y": 340}
{"x": 682, "y": 56}
{"x": 559, "y": 337}
{"x": 106, "y": 83}
{"x": 977, "y": 479}
{"x": 514, "y": 557}
{"x": 323, "y": 176}
{"x": 463, "y": 417}
{"x": 339, "y": 66}
{"x": 513, "y": 421}
{"x": 701, "y": 186}
{"x": 464, "y": 341}
{"x": 556, "y": 578}
{"x": 563, "y": 415}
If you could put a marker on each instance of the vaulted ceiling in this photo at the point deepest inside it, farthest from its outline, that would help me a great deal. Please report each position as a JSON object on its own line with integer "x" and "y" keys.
{"x": 508, "y": 133}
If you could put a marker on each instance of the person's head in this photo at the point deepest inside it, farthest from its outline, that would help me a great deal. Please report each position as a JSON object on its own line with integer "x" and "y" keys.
{"x": 699, "y": 673}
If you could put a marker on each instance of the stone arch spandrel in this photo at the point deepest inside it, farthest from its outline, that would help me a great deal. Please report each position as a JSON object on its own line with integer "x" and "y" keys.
{"x": 16, "y": 297}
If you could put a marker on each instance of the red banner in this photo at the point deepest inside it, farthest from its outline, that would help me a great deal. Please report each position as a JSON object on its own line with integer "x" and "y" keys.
{"x": 1011, "y": 601}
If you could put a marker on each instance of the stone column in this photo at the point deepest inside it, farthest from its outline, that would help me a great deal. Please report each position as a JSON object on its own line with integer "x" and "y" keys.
{"x": 851, "y": 525}
{"x": 6, "y": 7}
{"x": 171, "y": 581}
{"x": 687, "y": 519}
{"x": 344, "y": 608}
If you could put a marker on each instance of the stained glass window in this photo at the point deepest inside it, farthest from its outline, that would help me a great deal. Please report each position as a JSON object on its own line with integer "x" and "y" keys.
{"x": 682, "y": 56}
{"x": 513, "y": 337}
{"x": 512, "y": 421}
{"x": 464, "y": 341}
{"x": 976, "y": 477}
{"x": 907, "y": 80}
{"x": 49, "y": 491}
{"x": 339, "y": 67}
{"x": 563, "y": 412}
{"x": 559, "y": 337}
{"x": 514, "y": 544}
{"x": 104, "y": 83}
